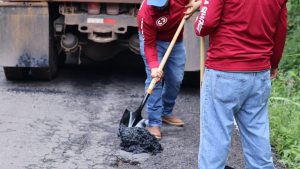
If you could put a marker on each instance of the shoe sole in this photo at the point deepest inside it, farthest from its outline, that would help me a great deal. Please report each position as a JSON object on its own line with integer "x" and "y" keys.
{"x": 157, "y": 137}
{"x": 174, "y": 124}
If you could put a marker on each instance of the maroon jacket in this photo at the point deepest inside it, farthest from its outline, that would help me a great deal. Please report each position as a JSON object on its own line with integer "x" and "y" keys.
{"x": 245, "y": 35}
{"x": 157, "y": 25}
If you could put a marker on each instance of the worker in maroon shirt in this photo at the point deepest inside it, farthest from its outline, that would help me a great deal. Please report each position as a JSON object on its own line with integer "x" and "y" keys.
{"x": 158, "y": 21}
{"x": 246, "y": 41}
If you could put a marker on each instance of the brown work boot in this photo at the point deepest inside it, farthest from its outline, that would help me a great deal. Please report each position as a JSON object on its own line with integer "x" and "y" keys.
{"x": 172, "y": 120}
{"x": 155, "y": 131}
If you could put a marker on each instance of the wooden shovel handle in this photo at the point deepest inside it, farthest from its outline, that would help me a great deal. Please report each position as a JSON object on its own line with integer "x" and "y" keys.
{"x": 167, "y": 54}
{"x": 202, "y": 58}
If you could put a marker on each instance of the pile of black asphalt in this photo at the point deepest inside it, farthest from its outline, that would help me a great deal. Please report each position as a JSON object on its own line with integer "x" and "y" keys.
{"x": 138, "y": 140}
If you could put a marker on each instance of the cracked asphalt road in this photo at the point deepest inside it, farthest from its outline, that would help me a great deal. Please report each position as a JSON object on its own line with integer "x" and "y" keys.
{"x": 72, "y": 121}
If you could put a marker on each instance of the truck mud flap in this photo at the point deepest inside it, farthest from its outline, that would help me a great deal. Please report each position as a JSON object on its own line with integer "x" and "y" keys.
{"x": 24, "y": 34}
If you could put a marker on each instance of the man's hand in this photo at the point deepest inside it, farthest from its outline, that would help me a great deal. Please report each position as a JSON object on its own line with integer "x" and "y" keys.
{"x": 274, "y": 73}
{"x": 192, "y": 7}
{"x": 156, "y": 73}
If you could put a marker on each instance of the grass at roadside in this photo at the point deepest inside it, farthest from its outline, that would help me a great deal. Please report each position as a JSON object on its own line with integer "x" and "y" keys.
{"x": 285, "y": 118}
{"x": 285, "y": 99}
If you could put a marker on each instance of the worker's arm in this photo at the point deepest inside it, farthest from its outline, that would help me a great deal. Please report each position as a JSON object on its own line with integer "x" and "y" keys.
{"x": 148, "y": 32}
{"x": 279, "y": 39}
{"x": 209, "y": 16}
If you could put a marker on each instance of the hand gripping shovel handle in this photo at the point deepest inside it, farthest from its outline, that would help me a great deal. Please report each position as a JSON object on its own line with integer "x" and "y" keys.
{"x": 166, "y": 56}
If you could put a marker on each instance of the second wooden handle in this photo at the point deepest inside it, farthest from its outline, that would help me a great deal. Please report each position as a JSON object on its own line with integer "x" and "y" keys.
{"x": 202, "y": 58}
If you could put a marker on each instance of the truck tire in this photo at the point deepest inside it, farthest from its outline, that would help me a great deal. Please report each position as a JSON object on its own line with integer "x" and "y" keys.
{"x": 134, "y": 44}
{"x": 16, "y": 73}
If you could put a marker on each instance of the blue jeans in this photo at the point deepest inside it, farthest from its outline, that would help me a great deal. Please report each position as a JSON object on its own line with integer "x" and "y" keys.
{"x": 243, "y": 96}
{"x": 161, "y": 102}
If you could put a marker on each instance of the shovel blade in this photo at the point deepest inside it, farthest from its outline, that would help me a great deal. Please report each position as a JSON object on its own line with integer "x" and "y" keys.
{"x": 132, "y": 119}
{"x": 125, "y": 118}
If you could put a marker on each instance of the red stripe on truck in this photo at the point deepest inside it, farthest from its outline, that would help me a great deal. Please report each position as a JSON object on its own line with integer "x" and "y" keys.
{"x": 110, "y": 21}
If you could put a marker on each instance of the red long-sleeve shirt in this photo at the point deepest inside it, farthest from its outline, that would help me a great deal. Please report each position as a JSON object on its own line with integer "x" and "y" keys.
{"x": 245, "y": 35}
{"x": 159, "y": 25}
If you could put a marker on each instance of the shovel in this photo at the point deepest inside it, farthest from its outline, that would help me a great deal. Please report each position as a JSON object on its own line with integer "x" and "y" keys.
{"x": 135, "y": 119}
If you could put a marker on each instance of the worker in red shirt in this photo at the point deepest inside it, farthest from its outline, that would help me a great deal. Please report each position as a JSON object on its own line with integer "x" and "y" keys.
{"x": 158, "y": 21}
{"x": 246, "y": 41}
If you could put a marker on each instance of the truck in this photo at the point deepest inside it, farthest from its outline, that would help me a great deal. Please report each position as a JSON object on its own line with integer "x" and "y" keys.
{"x": 38, "y": 35}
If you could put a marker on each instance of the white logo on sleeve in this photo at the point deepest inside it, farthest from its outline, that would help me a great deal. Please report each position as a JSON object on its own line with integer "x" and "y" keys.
{"x": 161, "y": 21}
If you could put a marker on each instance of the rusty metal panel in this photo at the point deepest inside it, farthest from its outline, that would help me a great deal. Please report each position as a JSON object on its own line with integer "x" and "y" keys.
{"x": 15, "y": 4}
{"x": 102, "y": 1}
{"x": 24, "y": 34}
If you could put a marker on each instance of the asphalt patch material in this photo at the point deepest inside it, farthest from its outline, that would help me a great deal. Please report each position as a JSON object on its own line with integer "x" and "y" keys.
{"x": 138, "y": 140}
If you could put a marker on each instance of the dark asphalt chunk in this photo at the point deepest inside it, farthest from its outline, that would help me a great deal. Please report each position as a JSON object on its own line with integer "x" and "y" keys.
{"x": 138, "y": 140}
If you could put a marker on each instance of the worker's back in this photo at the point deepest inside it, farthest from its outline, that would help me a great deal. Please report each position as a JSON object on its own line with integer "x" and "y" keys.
{"x": 245, "y": 32}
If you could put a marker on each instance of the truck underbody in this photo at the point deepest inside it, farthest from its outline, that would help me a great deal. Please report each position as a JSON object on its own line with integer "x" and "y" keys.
{"x": 37, "y": 34}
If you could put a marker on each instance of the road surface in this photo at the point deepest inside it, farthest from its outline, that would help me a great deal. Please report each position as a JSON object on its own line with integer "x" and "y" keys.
{"x": 72, "y": 121}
